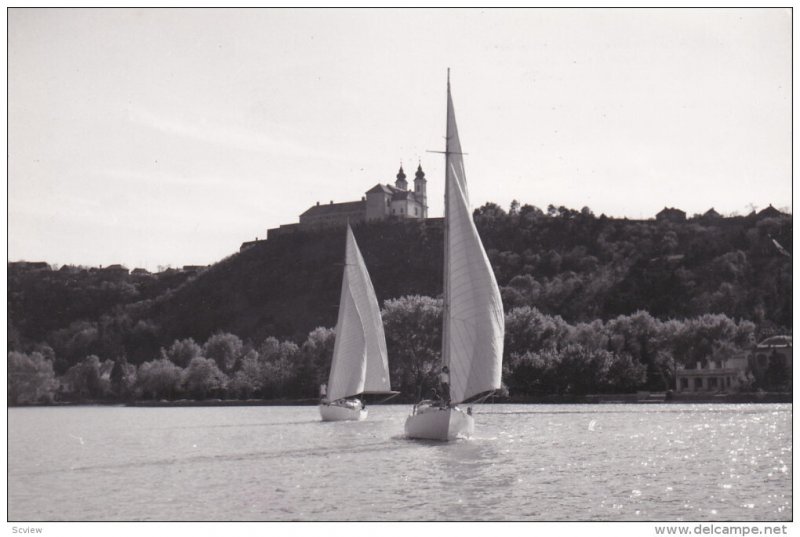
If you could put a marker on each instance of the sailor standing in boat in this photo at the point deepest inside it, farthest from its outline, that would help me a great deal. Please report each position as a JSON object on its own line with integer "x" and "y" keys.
{"x": 444, "y": 380}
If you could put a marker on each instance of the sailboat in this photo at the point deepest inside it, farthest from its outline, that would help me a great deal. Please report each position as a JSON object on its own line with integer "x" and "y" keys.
{"x": 359, "y": 366}
{"x": 474, "y": 323}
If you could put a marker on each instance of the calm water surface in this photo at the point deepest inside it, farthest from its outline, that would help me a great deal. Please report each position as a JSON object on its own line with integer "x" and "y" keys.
{"x": 527, "y": 462}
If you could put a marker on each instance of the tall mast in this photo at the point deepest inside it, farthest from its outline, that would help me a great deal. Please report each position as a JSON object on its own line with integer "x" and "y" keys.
{"x": 446, "y": 310}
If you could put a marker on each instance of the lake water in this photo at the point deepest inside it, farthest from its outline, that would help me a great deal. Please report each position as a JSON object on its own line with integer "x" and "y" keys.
{"x": 526, "y": 462}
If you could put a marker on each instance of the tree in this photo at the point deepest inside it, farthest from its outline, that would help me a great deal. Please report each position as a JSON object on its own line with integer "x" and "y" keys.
{"x": 550, "y": 263}
{"x": 142, "y": 341}
{"x": 589, "y": 335}
{"x": 269, "y": 349}
{"x": 84, "y": 379}
{"x": 530, "y": 212}
{"x": 279, "y": 368}
{"x": 159, "y": 379}
{"x": 225, "y": 349}
{"x": 272, "y": 350}
{"x": 708, "y": 337}
{"x": 45, "y": 350}
{"x": 77, "y": 341}
{"x": 581, "y": 370}
{"x": 413, "y": 327}
{"x": 626, "y": 374}
{"x": 314, "y": 361}
{"x": 123, "y": 378}
{"x": 640, "y": 336}
{"x": 31, "y": 378}
{"x": 182, "y": 352}
{"x": 532, "y": 373}
{"x": 249, "y": 379}
{"x": 490, "y": 211}
{"x": 203, "y": 378}
{"x": 529, "y": 330}
{"x": 522, "y": 290}
{"x": 565, "y": 212}
{"x": 669, "y": 242}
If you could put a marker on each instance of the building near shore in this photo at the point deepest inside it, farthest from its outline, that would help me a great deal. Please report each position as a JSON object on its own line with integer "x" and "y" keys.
{"x": 771, "y": 362}
{"x": 712, "y": 376}
{"x": 768, "y": 366}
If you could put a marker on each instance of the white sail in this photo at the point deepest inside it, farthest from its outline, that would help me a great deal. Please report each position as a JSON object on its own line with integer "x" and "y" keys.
{"x": 359, "y": 355}
{"x": 474, "y": 323}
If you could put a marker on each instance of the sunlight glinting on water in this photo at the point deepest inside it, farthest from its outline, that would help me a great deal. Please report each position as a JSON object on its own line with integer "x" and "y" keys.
{"x": 534, "y": 462}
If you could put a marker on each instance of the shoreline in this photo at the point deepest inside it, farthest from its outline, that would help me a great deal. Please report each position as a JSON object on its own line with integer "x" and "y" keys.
{"x": 660, "y": 398}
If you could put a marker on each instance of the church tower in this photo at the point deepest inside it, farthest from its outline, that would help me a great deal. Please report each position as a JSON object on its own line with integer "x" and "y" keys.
{"x": 419, "y": 189}
{"x": 401, "y": 180}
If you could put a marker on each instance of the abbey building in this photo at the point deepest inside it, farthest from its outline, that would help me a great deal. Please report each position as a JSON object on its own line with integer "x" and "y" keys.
{"x": 379, "y": 203}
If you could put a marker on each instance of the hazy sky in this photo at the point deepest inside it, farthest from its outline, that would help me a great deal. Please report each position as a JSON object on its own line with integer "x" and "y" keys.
{"x": 167, "y": 137}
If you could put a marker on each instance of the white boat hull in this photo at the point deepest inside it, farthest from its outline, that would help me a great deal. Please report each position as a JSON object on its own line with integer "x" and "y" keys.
{"x": 443, "y": 424}
{"x": 342, "y": 413}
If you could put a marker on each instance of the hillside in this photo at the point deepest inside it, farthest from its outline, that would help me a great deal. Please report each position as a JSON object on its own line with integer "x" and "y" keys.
{"x": 288, "y": 286}
{"x": 577, "y": 266}
{"x": 566, "y": 263}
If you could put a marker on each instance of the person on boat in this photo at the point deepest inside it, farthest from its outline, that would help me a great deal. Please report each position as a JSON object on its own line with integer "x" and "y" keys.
{"x": 444, "y": 380}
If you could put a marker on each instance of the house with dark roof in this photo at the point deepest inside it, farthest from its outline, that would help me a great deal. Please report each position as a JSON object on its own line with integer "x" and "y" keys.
{"x": 115, "y": 271}
{"x": 671, "y": 214}
{"x": 769, "y": 212}
{"x": 711, "y": 214}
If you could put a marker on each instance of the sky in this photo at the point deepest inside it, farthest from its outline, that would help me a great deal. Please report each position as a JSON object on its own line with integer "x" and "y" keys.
{"x": 167, "y": 137}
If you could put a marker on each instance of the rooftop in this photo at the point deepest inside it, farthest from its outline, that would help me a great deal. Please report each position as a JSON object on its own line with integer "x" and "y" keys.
{"x": 330, "y": 208}
{"x": 776, "y": 341}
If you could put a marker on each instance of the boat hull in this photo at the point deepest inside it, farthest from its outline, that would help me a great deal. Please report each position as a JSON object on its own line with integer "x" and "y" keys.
{"x": 342, "y": 413}
{"x": 442, "y": 424}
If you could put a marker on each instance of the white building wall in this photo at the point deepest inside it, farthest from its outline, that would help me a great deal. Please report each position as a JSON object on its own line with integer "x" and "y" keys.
{"x": 405, "y": 209}
{"x": 376, "y": 206}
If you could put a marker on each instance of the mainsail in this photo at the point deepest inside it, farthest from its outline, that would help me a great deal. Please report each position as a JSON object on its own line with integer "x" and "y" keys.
{"x": 474, "y": 324}
{"x": 359, "y": 353}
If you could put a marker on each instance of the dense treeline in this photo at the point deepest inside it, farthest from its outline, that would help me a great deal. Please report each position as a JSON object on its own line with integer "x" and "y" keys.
{"x": 581, "y": 273}
{"x": 543, "y": 355}
{"x": 43, "y": 301}
{"x": 583, "y": 268}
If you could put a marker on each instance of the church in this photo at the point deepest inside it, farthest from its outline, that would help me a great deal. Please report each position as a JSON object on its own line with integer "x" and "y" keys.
{"x": 379, "y": 203}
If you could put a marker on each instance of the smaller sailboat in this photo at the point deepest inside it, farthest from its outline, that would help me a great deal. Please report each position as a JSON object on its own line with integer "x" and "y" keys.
{"x": 474, "y": 323}
{"x": 359, "y": 366}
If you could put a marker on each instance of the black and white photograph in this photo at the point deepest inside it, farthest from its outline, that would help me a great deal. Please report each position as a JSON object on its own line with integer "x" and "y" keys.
{"x": 398, "y": 265}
